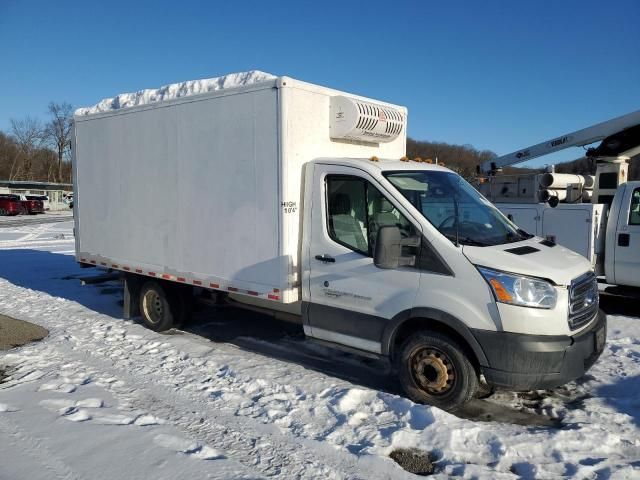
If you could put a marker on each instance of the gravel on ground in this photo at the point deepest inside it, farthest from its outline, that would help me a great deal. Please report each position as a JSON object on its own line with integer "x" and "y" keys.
{"x": 15, "y": 333}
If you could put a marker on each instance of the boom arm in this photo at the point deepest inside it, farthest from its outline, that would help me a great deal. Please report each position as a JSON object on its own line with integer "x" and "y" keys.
{"x": 578, "y": 138}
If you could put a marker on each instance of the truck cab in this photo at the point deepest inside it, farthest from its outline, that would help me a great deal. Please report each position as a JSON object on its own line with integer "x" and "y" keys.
{"x": 622, "y": 255}
{"x": 407, "y": 260}
{"x": 31, "y": 205}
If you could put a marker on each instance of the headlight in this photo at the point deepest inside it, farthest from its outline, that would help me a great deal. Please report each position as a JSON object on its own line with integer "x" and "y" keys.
{"x": 519, "y": 290}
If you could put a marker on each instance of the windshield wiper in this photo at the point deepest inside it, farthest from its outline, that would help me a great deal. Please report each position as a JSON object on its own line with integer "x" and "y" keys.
{"x": 471, "y": 241}
{"x": 518, "y": 237}
{"x": 465, "y": 241}
{"x": 524, "y": 234}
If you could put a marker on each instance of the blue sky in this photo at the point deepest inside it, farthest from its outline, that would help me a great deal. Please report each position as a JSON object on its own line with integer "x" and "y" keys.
{"x": 498, "y": 75}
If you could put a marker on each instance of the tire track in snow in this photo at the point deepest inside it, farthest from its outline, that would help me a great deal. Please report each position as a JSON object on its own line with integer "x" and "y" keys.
{"x": 31, "y": 239}
{"x": 258, "y": 446}
{"x": 29, "y": 235}
{"x": 24, "y": 222}
{"x": 37, "y": 244}
{"x": 34, "y": 448}
{"x": 253, "y": 444}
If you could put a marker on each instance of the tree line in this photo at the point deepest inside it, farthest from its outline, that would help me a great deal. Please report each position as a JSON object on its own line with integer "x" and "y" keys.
{"x": 464, "y": 159}
{"x": 461, "y": 158}
{"x": 37, "y": 151}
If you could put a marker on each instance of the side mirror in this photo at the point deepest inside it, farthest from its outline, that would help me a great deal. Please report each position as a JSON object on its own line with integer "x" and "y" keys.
{"x": 388, "y": 251}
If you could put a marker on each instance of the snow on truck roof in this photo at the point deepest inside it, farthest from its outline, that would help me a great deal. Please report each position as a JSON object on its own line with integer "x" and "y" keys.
{"x": 176, "y": 90}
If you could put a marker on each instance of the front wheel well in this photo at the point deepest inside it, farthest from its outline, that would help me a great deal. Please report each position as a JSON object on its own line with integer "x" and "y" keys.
{"x": 414, "y": 325}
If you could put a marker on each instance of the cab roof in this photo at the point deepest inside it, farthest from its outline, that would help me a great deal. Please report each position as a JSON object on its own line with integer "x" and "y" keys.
{"x": 384, "y": 164}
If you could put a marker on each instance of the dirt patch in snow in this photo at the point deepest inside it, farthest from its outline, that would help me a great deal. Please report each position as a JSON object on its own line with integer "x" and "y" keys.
{"x": 15, "y": 333}
{"x": 414, "y": 461}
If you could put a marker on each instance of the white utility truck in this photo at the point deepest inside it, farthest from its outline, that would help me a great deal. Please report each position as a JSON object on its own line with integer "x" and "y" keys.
{"x": 596, "y": 216}
{"x": 298, "y": 200}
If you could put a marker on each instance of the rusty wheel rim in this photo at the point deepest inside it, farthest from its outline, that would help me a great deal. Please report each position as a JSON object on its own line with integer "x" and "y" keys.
{"x": 433, "y": 371}
{"x": 153, "y": 307}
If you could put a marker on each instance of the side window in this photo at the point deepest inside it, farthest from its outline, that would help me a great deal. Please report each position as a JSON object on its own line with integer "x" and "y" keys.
{"x": 382, "y": 213}
{"x": 634, "y": 213}
{"x": 347, "y": 213}
{"x": 357, "y": 210}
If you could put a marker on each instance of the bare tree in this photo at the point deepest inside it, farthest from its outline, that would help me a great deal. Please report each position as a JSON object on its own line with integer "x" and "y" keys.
{"x": 58, "y": 131}
{"x": 28, "y": 134}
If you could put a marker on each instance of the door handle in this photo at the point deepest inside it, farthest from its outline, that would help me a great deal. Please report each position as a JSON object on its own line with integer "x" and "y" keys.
{"x": 325, "y": 258}
{"x": 623, "y": 239}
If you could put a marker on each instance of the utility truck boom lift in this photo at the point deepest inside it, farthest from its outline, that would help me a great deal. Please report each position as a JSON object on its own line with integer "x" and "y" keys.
{"x": 610, "y": 132}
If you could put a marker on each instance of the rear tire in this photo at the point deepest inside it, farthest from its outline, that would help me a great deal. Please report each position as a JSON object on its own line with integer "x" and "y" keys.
{"x": 2, "y": 212}
{"x": 156, "y": 307}
{"x": 435, "y": 369}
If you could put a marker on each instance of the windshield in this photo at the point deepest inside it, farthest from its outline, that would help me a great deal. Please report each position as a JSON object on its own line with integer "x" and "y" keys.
{"x": 455, "y": 208}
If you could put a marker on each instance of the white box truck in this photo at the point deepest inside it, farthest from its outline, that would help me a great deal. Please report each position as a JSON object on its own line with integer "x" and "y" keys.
{"x": 297, "y": 198}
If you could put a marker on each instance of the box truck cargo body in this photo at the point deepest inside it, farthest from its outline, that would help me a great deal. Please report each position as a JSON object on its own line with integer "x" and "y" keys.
{"x": 290, "y": 197}
{"x": 209, "y": 187}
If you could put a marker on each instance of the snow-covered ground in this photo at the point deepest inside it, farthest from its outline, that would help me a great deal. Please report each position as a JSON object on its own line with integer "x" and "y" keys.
{"x": 237, "y": 395}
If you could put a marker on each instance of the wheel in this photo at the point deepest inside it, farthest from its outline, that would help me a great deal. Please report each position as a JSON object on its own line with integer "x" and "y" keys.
{"x": 434, "y": 369}
{"x": 156, "y": 306}
{"x": 2, "y": 212}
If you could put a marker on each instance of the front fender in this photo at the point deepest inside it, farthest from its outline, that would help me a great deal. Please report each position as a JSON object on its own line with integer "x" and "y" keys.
{"x": 426, "y": 313}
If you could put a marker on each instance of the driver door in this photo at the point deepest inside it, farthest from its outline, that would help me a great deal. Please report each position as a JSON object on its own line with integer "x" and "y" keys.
{"x": 627, "y": 246}
{"x": 350, "y": 299}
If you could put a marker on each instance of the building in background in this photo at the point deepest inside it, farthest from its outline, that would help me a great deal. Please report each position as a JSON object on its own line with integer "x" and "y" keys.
{"x": 58, "y": 193}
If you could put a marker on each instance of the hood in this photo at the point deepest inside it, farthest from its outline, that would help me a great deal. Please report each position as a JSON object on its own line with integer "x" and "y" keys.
{"x": 534, "y": 257}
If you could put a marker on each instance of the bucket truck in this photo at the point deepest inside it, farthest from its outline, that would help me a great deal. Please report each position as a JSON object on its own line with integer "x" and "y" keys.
{"x": 596, "y": 216}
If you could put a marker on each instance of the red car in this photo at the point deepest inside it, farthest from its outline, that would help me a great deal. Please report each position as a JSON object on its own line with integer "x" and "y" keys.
{"x": 10, "y": 205}
{"x": 31, "y": 205}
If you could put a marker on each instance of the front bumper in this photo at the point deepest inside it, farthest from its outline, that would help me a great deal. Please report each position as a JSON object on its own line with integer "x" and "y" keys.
{"x": 525, "y": 362}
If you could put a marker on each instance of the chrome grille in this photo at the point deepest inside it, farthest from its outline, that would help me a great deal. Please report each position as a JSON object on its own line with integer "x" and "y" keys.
{"x": 583, "y": 300}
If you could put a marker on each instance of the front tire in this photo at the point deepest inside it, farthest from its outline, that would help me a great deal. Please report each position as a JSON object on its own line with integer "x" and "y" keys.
{"x": 434, "y": 369}
{"x": 156, "y": 307}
